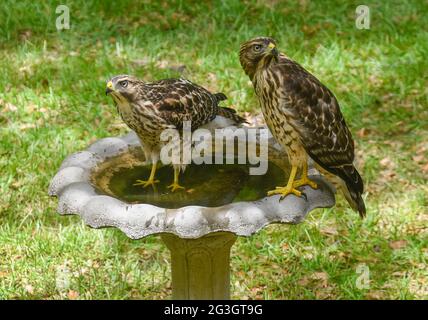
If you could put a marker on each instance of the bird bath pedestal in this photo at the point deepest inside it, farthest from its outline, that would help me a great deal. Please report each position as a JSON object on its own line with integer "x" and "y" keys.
{"x": 200, "y": 267}
{"x": 199, "y": 225}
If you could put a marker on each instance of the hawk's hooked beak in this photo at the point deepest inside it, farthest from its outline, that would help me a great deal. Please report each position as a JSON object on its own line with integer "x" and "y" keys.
{"x": 273, "y": 50}
{"x": 109, "y": 88}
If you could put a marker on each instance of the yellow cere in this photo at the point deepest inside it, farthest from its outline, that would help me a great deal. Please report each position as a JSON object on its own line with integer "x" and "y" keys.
{"x": 271, "y": 45}
{"x": 110, "y": 85}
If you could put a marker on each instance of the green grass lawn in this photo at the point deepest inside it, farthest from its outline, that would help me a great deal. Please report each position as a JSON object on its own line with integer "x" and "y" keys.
{"x": 52, "y": 103}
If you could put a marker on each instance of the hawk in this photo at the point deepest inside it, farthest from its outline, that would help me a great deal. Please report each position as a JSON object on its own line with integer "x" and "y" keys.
{"x": 305, "y": 118}
{"x": 150, "y": 108}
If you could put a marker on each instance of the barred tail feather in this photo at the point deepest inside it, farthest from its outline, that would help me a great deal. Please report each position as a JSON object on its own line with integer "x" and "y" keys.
{"x": 226, "y": 112}
{"x": 230, "y": 114}
{"x": 348, "y": 181}
{"x": 354, "y": 199}
{"x": 354, "y": 188}
{"x": 220, "y": 96}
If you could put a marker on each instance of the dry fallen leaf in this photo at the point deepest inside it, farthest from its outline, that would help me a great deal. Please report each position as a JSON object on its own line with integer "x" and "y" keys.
{"x": 319, "y": 279}
{"x": 387, "y": 162}
{"x": 180, "y": 68}
{"x": 388, "y": 174}
{"x": 418, "y": 158}
{"x": 72, "y": 295}
{"x": 374, "y": 295}
{"x": 303, "y": 281}
{"x": 422, "y": 147}
{"x": 362, "y": 132}
{"x": 26, "y": 126}
{"x": 141, "y": 62}
{"x": 16, "y": 185}
{"x": 29, "y": 288}
{"x": 162, "y": 64}
{"x": 25, "y": 34}
{"x": 398, "y": 244}
{"x": 256, "y": 290}
{"x": 311, "y": 29}
{"x": 329, "y": 231}
{"x": 323, "y": 276}
{"x": 8, "y": 107}
{"x": 212, "y": 77}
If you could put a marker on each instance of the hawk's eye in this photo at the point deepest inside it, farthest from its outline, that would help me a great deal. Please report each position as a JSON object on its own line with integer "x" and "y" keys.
{"x": 123, "y": 83}
{"x": 257, "y": 48}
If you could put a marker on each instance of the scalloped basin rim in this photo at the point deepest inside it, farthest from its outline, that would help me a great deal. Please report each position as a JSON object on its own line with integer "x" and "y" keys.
{"x": 76, "y": 195}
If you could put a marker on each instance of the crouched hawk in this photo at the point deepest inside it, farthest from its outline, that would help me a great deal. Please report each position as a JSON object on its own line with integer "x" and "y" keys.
{"x": 305, "y": 118}
{"x": 150, "y": 108}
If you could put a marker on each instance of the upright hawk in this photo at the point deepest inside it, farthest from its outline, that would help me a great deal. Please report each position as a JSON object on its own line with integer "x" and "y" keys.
{"x": 304, "y": 117}
{"x": 150, "y": 108}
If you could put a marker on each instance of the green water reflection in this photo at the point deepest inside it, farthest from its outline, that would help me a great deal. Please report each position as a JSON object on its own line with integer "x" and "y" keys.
{"x": 206, "y": 185}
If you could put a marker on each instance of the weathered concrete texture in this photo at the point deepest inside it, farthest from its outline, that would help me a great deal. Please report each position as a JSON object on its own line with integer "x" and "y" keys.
{"x": 200, "y": 267}
{"x": 76, "y": 196}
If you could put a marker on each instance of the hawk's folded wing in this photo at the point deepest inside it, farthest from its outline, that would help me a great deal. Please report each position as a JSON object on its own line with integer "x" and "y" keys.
{"x": 321, "y": 125}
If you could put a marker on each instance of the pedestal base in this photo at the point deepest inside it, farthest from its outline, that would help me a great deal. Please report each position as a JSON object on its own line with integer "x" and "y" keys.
{"x": 200, "y": 267}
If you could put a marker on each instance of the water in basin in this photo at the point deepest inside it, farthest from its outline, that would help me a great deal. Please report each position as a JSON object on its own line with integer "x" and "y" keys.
{"x": 205, "y": 185}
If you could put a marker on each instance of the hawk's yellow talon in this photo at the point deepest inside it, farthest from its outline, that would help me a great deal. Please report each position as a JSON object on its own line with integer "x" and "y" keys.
{"x": 305, "y": 182}
{"x": 289, "y": 188}
{"x": 151, "y": 181}
{"x": 174, "y": 187}
{"x": 284, "y": 191}
{"x": 145, "y": 183}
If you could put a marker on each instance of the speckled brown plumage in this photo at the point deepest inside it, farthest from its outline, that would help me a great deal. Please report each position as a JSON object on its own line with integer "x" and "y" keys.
{"x": 303, "y": 115}
{"x": 150, "y": 108}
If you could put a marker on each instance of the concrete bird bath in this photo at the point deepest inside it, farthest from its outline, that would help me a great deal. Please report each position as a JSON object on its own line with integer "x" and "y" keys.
{"x": 198, "y": 225}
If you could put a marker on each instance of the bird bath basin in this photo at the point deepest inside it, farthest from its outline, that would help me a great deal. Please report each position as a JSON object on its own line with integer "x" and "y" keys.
{"x": 198, "y": 225}
{"x": 206, "y": 185}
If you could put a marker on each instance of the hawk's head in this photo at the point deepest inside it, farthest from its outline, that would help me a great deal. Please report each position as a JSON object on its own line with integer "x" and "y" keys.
{"x": 123, "y": 88}
{"x": 255, "y": 51}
